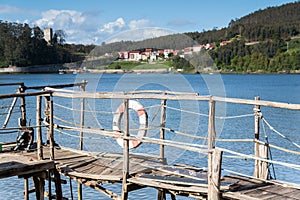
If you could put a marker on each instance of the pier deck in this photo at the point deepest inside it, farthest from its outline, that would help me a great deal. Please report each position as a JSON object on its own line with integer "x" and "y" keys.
{"x": 136, "y": 171}
{"x": 92, "y": 169}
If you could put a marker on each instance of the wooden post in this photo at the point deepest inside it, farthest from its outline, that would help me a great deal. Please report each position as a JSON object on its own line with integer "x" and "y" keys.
{"x": 256, "y": 110}
{"x": 162, "y": 130}
{"x": 263, "y": 166}
{"x": 125, "y": 151}
{"x": 49, "y": 121}
{"x": 39, "y": 184}
{"x": 26, "y": 188}
{"x": 161, "y": 193}
{"x": 82, "y": 117}
{"x": 216, "y": 175}
{"x": 23, "y": 106}
{"x": 211, "y": 145}
{"x": 57, "y": 182}
{"x": 39, "y": 128}
{"x": 51, "y": 131}
{"x": 49, "y": 184}
{"x": 79, "y": 186}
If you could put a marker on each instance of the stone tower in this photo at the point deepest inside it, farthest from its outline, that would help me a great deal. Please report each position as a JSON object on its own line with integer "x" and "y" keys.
{"x": 48, "y": 33}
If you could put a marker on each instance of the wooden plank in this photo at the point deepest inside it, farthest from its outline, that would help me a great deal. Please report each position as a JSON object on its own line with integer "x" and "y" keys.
{"x": 94, "y": 176}
{"x": 173, "y": 170}
{"x": 17, "y": 168}
{"x": 155, "y": 184}
{"x": 238, "y": 196}
{"x": 179, "y": 180}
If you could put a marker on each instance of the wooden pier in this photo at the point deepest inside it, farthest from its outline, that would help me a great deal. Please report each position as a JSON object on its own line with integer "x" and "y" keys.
{"x": 48, "y": 162}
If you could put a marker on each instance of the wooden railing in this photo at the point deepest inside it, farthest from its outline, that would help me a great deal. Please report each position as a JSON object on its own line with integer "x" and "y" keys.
{"x": 214, "y": 153}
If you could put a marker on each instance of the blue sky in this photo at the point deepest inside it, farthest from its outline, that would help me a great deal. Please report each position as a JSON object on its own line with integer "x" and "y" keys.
{"x": 97, "y": 21}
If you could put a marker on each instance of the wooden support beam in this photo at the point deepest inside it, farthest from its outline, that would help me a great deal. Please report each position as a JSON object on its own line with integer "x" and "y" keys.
{"x": 57, "y": 182}
{"x": 125, "y": 151}
{"x": 26, "y": 189}
{"x": 39, "y": 184}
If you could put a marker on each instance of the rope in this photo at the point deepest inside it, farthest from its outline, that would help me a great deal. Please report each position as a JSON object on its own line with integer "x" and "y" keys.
{"x": 270, "y": 152}
{"x": 184, "y": 134}
{"x": 8, "y": 132}
{"x": 282, "y": 149}
{"x": 280, "y": 134}
{"x": 293, "y": 166}
{"x": 186, "y": 111}
{"x": 234, "y": 117}
{"x": 79, "y": 110}
{"x": 94, "y": 114}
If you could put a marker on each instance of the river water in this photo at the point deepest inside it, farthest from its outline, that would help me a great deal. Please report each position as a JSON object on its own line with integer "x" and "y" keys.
{"x": 280, "y": 88}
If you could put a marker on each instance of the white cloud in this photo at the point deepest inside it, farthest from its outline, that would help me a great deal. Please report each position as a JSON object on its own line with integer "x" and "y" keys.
{"x": 84, "y": 28}
{"x": 61, "y": 19}
{"x": 112, "y": 27}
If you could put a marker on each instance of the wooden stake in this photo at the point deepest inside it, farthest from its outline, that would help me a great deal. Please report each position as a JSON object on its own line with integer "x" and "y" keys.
{"x": 125, "y": 151}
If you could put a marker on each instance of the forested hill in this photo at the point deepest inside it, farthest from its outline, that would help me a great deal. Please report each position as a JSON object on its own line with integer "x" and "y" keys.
{"x": 264, "y": 41}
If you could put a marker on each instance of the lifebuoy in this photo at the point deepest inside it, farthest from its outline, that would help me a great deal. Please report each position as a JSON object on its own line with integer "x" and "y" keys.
{"x": 143, "y": 120}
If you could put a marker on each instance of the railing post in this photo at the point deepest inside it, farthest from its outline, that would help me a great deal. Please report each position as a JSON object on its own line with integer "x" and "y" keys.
{"x": 82, "y": 116}
{"x": 260, "y": 150}
{"x": 162, "y": 130}
{"x": 51, "y": 131}
{"x": 256, "y": 110}
{"x": 161, "y": 193}
{"x": 125, "y": 150}
{"x": 213, "y": 185}
{"x": 79, "y": 187}
{"x": 22, "y": 122}
{"x": 49, "y": 122}
{"x": 39, "y": 128}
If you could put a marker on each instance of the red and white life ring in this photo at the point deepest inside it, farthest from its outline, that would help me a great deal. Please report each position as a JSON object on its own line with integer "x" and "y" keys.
{"x": 143, "y": 120}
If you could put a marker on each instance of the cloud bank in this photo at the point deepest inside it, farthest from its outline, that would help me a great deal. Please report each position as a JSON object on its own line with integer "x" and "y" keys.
{"x": 83, "y": 28}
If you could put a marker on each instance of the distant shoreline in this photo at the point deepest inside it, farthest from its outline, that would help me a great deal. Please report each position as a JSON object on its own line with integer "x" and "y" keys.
{"x": 60, "y": 69}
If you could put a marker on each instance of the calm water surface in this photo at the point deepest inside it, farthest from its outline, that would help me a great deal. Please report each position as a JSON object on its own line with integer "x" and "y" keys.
{"x": 281, "y": 88}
